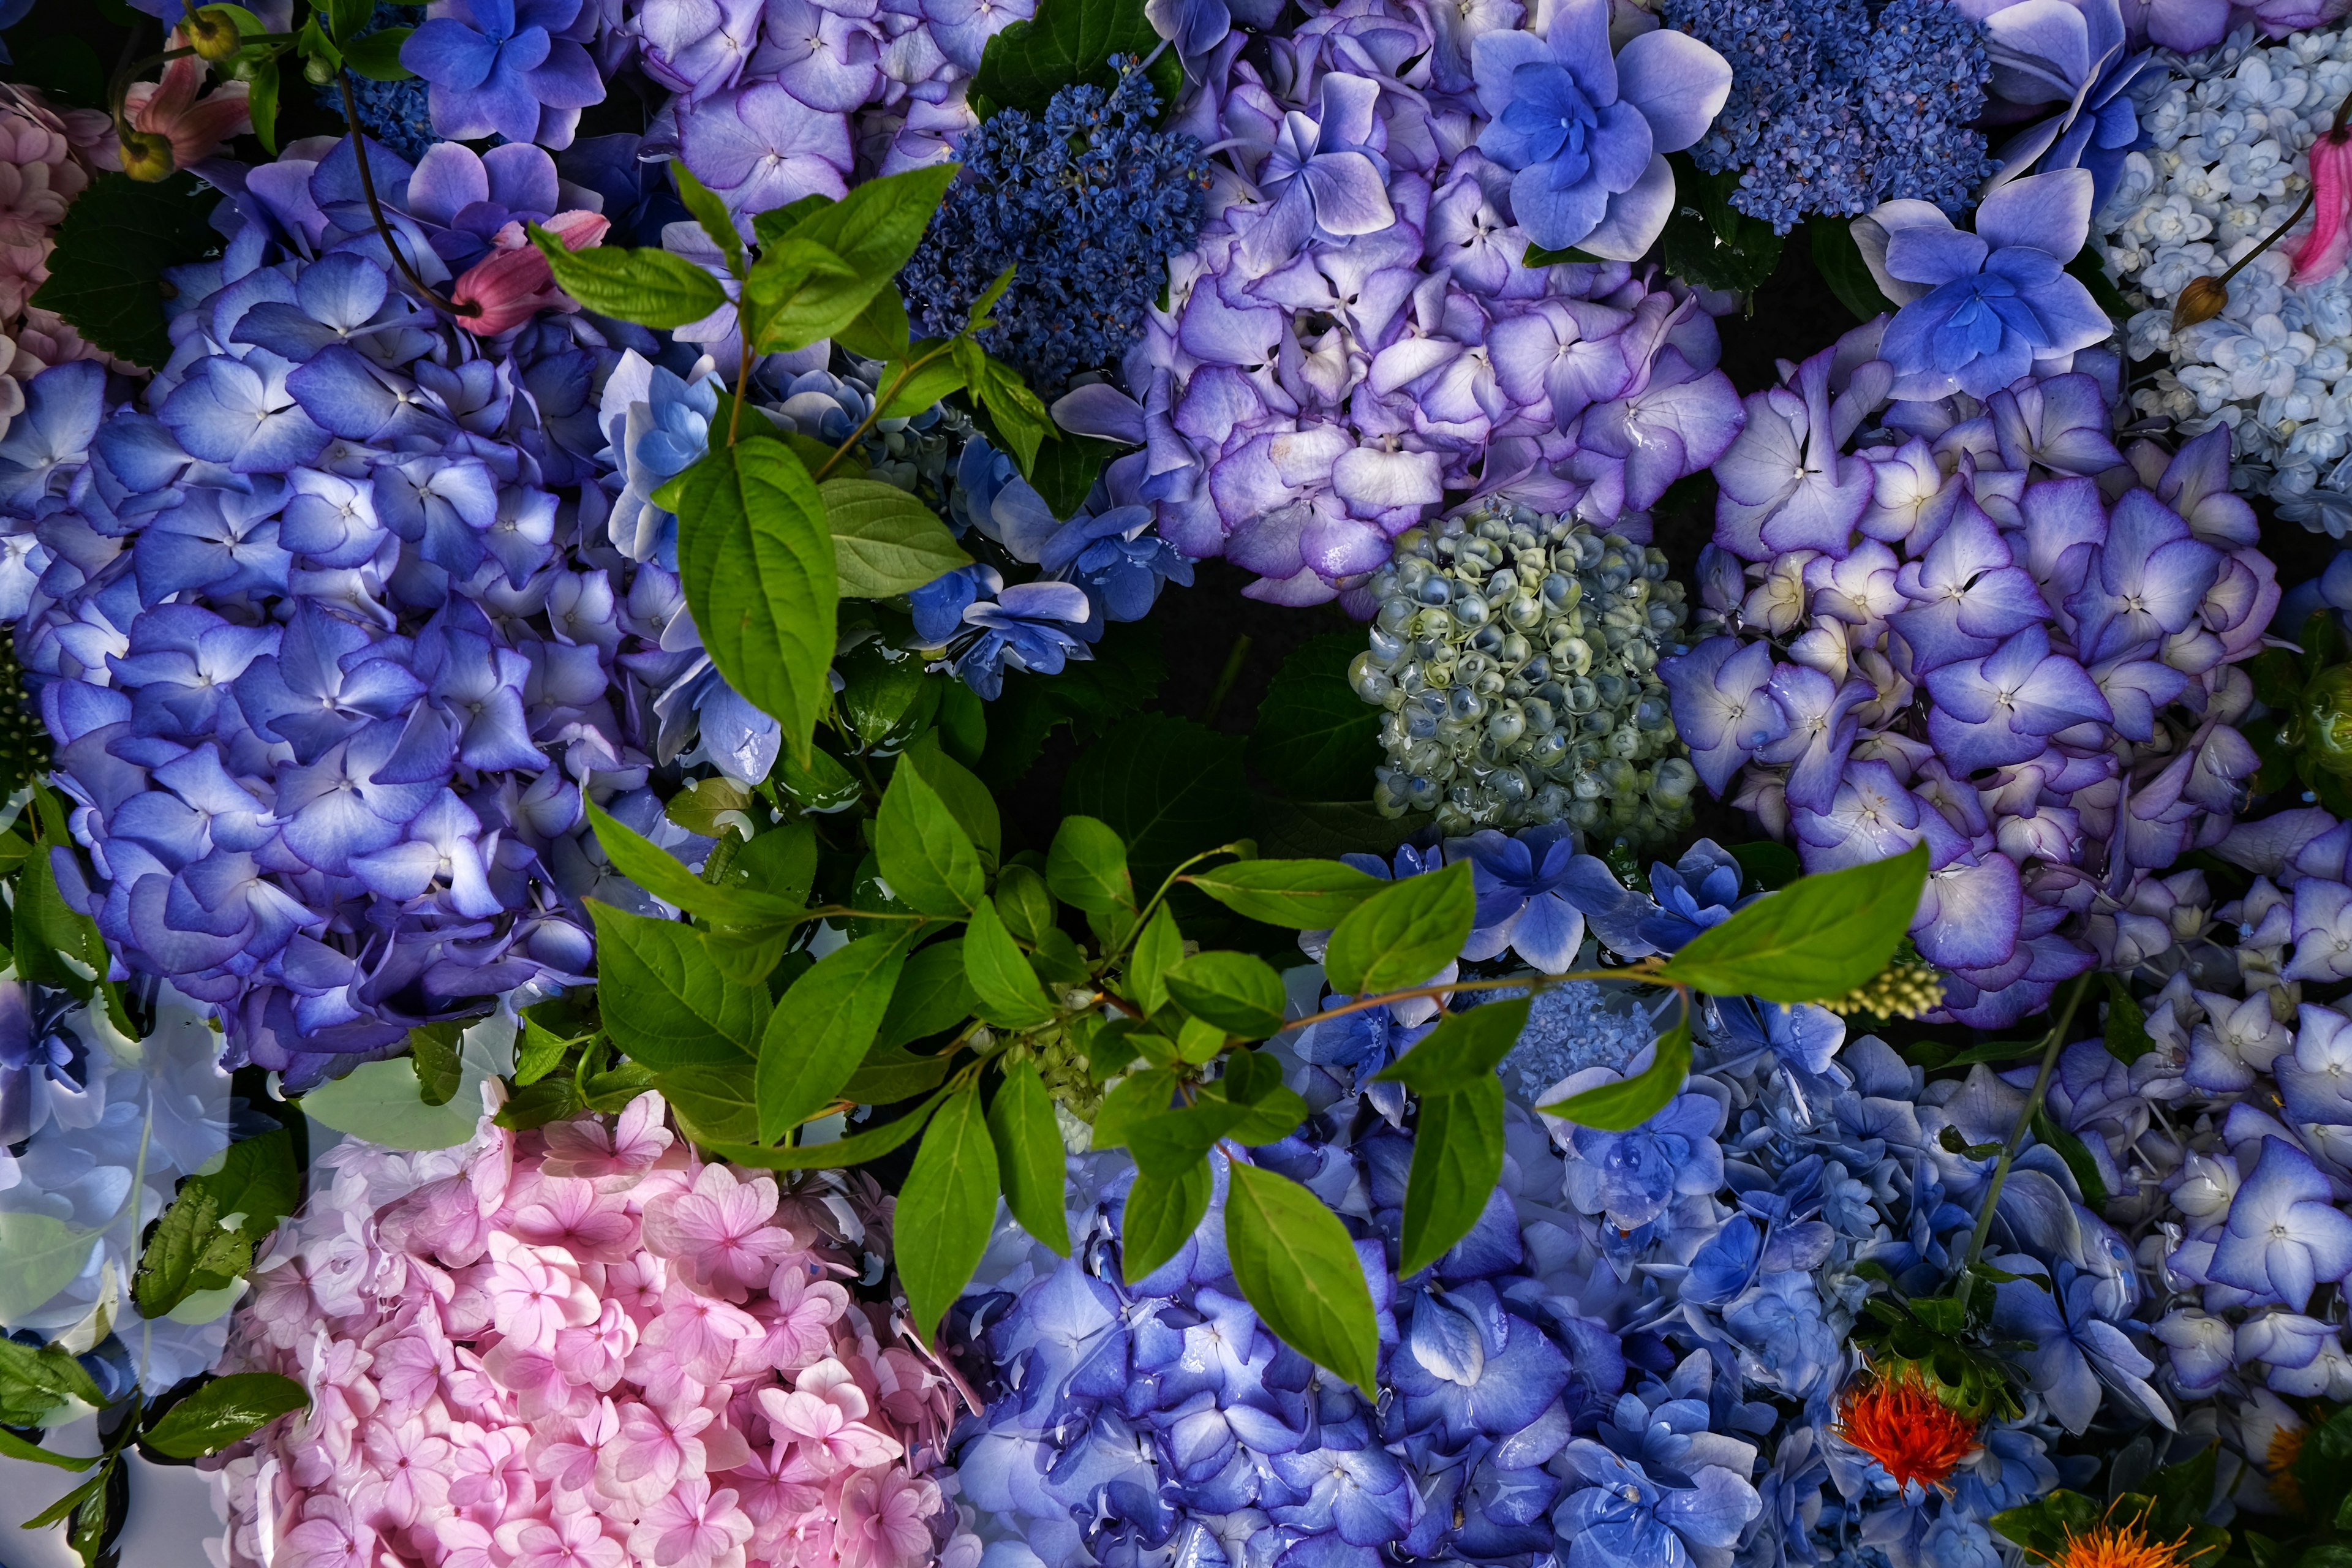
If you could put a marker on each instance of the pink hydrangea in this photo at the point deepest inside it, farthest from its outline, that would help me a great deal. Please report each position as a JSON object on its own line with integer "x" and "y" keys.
{"x": 583, "y": 1347}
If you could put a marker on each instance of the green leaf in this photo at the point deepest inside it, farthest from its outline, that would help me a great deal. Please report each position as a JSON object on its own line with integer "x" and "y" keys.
{"x": 922, "y": 851}
{"x": 886, "y": 542}
{"x": 1020, "y": 422}
{"x": 778, "y": 864}
{"x": 652, "y": 288}
{"x": 663, "y": 875}
{"x": 1403, "y": 934}
{"x": 1009, "y": 993}
{"x": 713, "y": 1104}
{"x": 433, "y": 1052}
{"x": 934, "y": 994}
{"x": 1238, "y": 993}
{"x": 665, "y": 1002}
{"x": 2044, "y": 1525}
{"x": 1543, "y": 256}
{"x": 1304, "y": 895}
{"x": 960, "y": 789}
{"x": 106, "y": 275}
{"x": 1086, "y": 867}
{"x": 1170, "y": 1141}
{"x": 892, "y": 1073}
{"x": 223, "y": 1411}
{"x": 44, "y": 1254}
{"x": 1065, "y": 470}
{"x": 94, "y": 1488}
{"x": 1839, "y": 261}
{"x": 1709, "y": 242}
{"x": 856, "y": 1149}
{"x": 1130, "y": 1102}
{"x": 718, "y": 224}
{"x": 923, "y": 389}
{"x": 1770, "y": 866}
{"x": 1170, "y": 788}
{"x": 1030, "y": 1156}
{"x": 1457, "y": 1162}
{"x": 17, "y": 1448}
{"x": 1813, "y": 940}
{"x": 1159, "y": 947}
{"x": 2071, "y": 1149}
{"x": 1463, "y": 1051}
{"x": 1315, "y": 738}
{"x": 872, "y": 231}
{"x": 2090, "y": 270}
{"x": 2126, "y": 1024}
{"x": 1623, "y": 1105}
{"x": 756, "y": 559}
{"x": 946, "y": 1210}
{"x": 376, "y": 56}
{"x": 258, "y": 1182}
{"x": 348, "y": 18}
{"x": 818, "y": 783}
{"x": 1297, "y": 1266}
{"x": 822, "y": 1028}
{"x": 1161, "y": 1214}
{"x": 40, "y": 1383}
{"x": 190, "y": 1251}
{"x": 1068, "y": 42}
{"x": 1026, "y": 904}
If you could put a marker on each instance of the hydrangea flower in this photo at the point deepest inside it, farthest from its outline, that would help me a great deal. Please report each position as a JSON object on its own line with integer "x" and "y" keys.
{"x": 652, "y": 1359}
{"x": 513, "y": 68}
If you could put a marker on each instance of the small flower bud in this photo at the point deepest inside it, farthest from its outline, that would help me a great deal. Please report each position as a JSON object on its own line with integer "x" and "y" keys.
{"x": 2327, "y": 720}
{"x": 212, "y": 33}
{"x": 316, "y": 72}
{"x": 147, "y": 156}
{"x": 2202, "y": 301}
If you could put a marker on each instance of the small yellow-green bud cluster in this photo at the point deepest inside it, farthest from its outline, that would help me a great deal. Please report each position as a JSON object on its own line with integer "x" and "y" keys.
{"x": 1517, "y": 655}
{"x": 1908, "y": 987}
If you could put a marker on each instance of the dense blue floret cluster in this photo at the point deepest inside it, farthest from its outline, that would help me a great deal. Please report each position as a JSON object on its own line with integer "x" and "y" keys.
{"x": 1835, "y": 109}
{"x": 1089, "y": 203}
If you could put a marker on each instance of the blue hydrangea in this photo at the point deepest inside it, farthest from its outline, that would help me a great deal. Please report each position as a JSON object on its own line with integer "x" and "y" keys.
{"x": 395, "y": 113}
{"x": 1833, "y": 111}
{"x": 1088, "y": 202}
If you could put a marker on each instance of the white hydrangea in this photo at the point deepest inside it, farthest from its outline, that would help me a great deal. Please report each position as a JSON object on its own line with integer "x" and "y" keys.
{"x": 2230, "y": 132}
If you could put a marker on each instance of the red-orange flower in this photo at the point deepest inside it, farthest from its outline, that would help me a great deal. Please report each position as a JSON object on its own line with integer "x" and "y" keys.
{"x": 2112, "y": 1546}
{"x": 1903, "y": 1423}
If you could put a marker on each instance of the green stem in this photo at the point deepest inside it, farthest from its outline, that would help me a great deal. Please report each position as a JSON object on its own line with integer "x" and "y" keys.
{"x": 1112, "y": 955}
{"x": 375, "y": 208}
{"x": 743, "y": 364}
{"x": 1643, "y": 972}
{"x": 2050, "y": 1051}
{"x": 1232, "y": 672}
{"x": 882, "y": 400}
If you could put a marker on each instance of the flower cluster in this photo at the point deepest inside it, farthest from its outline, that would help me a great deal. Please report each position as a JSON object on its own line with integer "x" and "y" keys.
{"x": 1641, "y": 1354}
{"x": 579, "y": 1345}
{"x": 517, "y": 69}
{"x": 2231, "y": 132}
{"x": 40, "y": 174}
{"x": 1987, "y": 629}
{"x": 98, "y": 1130}
{"x": 1832, "y": 111}
{"x": 1357, "y": 338}
{"x": 325, "y": 636}
{"x": 1087, "y": 203}
{"x": 1516, "y": 658}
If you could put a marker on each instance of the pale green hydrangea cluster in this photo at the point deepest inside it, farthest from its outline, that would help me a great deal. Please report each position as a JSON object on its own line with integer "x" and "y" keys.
{"x": 1517, "y": 655}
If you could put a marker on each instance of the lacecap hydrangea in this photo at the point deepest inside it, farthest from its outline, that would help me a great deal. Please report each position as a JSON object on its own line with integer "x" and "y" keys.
{"x": 1981, "y": 626}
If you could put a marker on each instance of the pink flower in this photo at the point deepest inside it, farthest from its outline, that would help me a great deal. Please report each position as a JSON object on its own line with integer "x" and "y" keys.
{"x": 535, "y": 1293}
{"x": 572, "y": 1215}
{"x": 197, "y": 127}
{"x": 2324, "y": 248}
{"x": 493, "y": 1480}
{"x": 719, "y": 1232}
{"x": 826, "y": 1413}
{"x": 692, "y": 1527}
{"x": 884, "y": 1520}
{"x": 597, "y": 1353}
{"x": 567, "y": 1460}
{"x": 327, "y": 1537}
{"x": 573, "y": 1540}
{"x": 612, "y": 1159}
{"x": 797, "y": 1316}
{"x": 514, "y": 283}
{"x": 408, "y": 1463}
{"x": 531, "y": 1372}
{"x": 465, "y": 1543}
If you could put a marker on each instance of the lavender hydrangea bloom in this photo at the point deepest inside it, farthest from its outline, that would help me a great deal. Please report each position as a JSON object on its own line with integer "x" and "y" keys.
{"x": 1980, "y": 311}
{"x": 514, "y": 68}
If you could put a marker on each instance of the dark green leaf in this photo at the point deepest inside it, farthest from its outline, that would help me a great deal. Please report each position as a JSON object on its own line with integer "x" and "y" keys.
{"x": 1170, "y": 1141}
{"x": 778, "y": 865}
{"x": 946, "y": 1210}
{"x": 960, "y": 789}
{"x": 1238, "y": 993}
{"x": 1026, "y": 904}
{"x": 821, "y": 1029}
{"x": 1541, "y": 255}
{"x": 2071, "y": 1149}
{"x": 856, "y": 1149}
{"x": 1839, "y": 261}
{"x": 376, "y": 56}
{"x": 873, "y": 230}
{"x": 17, "y": 1448}
{"x": 1029, "y": 1155}
{"x": 717, "y": 225}
{"x": 1159, "y": 946}
{"x": 1768, "y": 865}
{"x": 1065, "y": 470}
{"x": 1295, "y": 1262}
{"x": 1463, "y": 1051}
{"x": 2044, "y": 1525}
{"x": 553, "y": 1099}
{"x": 665, "y": 1002}
{"x": 541, "y": 1052}
{"x": 934, "y": 995}
{"x": 257, "y": 1183}
{"x": 1315, "y": 739}
{"x": 1169, "y": 787}
{"x": 1814, "y": 941}
{"x": 820, "y": 784}
{"x": 223, "y": 1411}
{"x": 922, "y": 389}
{"x": 1008, "y": 990}
{"x": 747, "y": 957}
{"x": 2126, "y": 1024}
{"x": 1160, "y": 1216}
{"x": 1086, "y": 867}
{"x": 756, "y": 560}
{"x": 72, "y": 1502}
{"x": 892, "y": 1073}
{"x": 925, "y": 855}
{"x": 715, "y": 1105}
{"x": 1304, "y": 895}
{"x": 1709, "y": 242}
{"x": 433, "y": 1052}
{"x": 106, "y": 274}
{"x": 36, "y": 1381}
{"x": 1130, "y": 1101}
{"x": 1020, "y": 420}
{"x": 652, "y": 288}
{"x": 1404, "y": 933}
{"x": 1623, "y": 1105}
{"x": 1457, "y": 1162}
{"x": 885, "y": 541}
{"x": 880, "y": 331}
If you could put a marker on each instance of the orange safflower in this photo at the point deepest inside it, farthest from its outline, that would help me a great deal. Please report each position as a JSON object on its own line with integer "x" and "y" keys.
{"x": 1903, "y": 1423}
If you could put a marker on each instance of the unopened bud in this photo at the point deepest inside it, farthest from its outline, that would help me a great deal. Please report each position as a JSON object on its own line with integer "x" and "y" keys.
{"x": 147, "y": 156}
{"x": 2202, "y": 301}
{"x": 2327, "y": 720}
{"x": 316, "y": 72}
{"x": 212, "y": 33}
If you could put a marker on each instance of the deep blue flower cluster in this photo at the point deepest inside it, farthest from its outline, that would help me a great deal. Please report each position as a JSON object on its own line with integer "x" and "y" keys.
{"x": 1087, "y": 201}
{"x": 396, "y": 113}
{"x": 1642, "y": 1354}
{"x": 1834, "y": 109}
